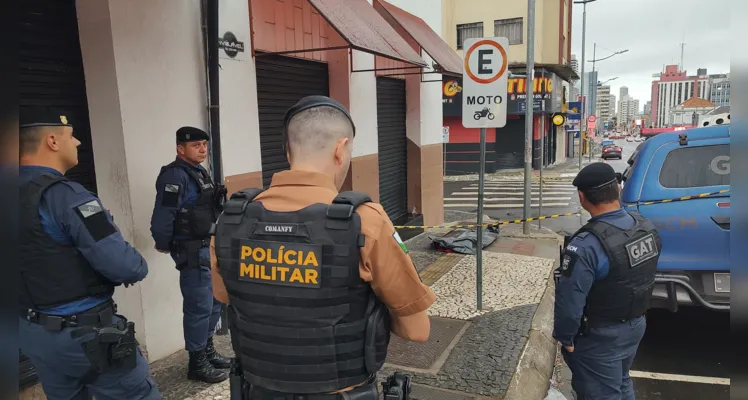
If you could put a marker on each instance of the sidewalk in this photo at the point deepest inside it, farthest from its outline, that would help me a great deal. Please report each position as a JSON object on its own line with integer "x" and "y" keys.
{"x": 498, "y": 353}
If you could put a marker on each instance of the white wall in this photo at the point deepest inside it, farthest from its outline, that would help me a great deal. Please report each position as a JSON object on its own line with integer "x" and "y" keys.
{"x": 240, "y": 124}
{"x": 430, "y": 116}
{"x": 144, "y": 81}
{"x": 363, "y": 104}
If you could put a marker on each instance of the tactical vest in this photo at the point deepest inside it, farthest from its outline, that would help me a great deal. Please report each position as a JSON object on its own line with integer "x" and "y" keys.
{"x": 305, "y": 321}
{"x": 51, "y": 273}
{"x": 194, "y": 221}
{"x": 626, "y": 292}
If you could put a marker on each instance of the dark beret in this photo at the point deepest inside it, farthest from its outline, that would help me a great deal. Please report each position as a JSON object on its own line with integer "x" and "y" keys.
{"x": 191, "y": 134}
{"x": 316, "y": 101}
{"x": 594, "y": 175}
{"x": 42, "y": 116}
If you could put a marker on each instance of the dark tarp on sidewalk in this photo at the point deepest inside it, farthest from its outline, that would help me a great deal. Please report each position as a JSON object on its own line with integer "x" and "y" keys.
{"x": 464, "y": 240}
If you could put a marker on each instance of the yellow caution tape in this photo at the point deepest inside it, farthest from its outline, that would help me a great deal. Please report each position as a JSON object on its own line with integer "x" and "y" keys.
{"x": 519, "y": 221}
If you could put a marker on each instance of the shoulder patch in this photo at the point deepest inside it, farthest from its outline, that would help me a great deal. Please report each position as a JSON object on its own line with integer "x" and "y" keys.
{"x": 95, "y": 220}
{"x": 170, "y": 197}
{"x": 399, "y": 241}
{"x": 567, "y": 265}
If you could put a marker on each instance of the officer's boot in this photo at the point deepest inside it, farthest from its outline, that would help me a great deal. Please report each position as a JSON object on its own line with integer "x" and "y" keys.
{"x": 200, "y": 369}
{"x": 215, "y": 358}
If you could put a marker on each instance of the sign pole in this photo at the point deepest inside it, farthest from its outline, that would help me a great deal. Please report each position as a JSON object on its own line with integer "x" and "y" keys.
{"x": 484, "y": 106}
{"x": 542, "y": 160}
{"x": 479, "y": 250}
{"x": 583, "y": 111}
{"x": 529, "y": 111}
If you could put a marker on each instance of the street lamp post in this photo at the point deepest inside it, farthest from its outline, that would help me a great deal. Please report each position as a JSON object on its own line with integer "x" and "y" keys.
{"x": 583, "y": 122}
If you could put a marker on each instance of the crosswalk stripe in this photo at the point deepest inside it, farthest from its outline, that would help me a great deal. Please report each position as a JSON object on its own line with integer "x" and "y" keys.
{"x": 503, "y": 198}
{"x": 504, "y": 205}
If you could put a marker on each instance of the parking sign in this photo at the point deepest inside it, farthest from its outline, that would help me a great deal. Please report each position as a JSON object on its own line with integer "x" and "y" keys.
{"x": 484, "y": 83}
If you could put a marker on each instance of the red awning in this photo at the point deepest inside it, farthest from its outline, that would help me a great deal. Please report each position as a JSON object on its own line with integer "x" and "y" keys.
{"x": 450, "y": 63}
{"x": 364, "y": 29}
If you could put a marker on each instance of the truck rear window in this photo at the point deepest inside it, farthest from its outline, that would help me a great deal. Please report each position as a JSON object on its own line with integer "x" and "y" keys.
{"x": 696, "y": 167}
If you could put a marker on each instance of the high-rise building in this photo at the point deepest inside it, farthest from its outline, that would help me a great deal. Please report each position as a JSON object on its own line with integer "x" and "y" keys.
{"x": 672, "y": 87}
{"x": 574, "y": 63}
{"x": 612, "y": 106}
{"x": 719, "y": 89}
{"x": 628, "y": 109}
{"x": 623, "y": 92}
{"x": 574, "y": 90}
{"x": 647, "y": 108}
{"x": 602, "y": 106}
{"x": 590, "y": 82}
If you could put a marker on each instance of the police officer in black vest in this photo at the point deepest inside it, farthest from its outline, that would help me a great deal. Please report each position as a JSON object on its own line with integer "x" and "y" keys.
{"x": 603, "y": 288}
{"x": 72, "y": 256}
{"x": 316, "y": 279}
{"x": 187, "y": 204}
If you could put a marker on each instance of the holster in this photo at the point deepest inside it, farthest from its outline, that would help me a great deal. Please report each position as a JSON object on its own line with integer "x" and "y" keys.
{"x": 396, "y": 387}
{"x": 111, "y": 347}
{"x": 237, "y": 385}
{"x": 191, "y": 249}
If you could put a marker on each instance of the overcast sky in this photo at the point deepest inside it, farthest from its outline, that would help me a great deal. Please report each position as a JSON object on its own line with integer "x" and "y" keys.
{"x": 652, "y": 30}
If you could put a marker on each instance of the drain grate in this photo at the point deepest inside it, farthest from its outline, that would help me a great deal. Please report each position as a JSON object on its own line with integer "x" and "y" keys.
{"x": 423, "y": 355}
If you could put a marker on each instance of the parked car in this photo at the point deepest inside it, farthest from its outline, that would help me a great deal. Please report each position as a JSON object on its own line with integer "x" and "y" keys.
{"x": 638, "y": 139}
{"x": 694, "y": 267}
{"x": 629, "y": 139}
{"x": 612, "y": 151}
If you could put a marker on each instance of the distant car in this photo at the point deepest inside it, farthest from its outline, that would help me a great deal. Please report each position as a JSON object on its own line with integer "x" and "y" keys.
{"x": 694, "y": 267}
{"x": 612, "y": 151}
{"x": 629, "y": 139}
{"x": 638, "y": 139}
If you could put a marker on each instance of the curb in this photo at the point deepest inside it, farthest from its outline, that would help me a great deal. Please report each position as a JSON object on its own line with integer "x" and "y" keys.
{"x": 534, "y": 371}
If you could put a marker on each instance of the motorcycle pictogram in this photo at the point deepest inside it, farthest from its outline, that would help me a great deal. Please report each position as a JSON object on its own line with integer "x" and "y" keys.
{"x": 485, "y": 113}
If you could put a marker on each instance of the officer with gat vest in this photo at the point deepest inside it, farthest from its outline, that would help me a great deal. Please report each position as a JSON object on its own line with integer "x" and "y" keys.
{"x": 72, "y": 256}
{"x": 603, "y": 288}
{"x": 316, "y": 280}
{"x": 187, "y": 205}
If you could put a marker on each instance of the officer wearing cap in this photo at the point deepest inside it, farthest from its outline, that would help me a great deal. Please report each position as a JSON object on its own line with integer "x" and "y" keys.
{"x": 603, "y": 288}
{"x": 187, "y": 204}
{"x": 316, "y": 279}
{"x": 72, "y": 257}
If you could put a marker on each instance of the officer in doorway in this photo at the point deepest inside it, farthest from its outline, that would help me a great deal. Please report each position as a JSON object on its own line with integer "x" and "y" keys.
{"x": 316, "y": 279}
{"x": 72, "y": 256}
{"x": 603, "y": 289}
{"x": 187, "y": 205}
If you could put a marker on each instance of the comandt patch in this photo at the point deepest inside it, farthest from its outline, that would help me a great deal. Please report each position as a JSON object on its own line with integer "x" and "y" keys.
{"x": 95, "y": 220}
{"x": 642, "y": 250}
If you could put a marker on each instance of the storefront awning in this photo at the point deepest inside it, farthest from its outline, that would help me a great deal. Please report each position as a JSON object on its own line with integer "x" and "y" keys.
{"x": 449, "y": 62}
{"x": 364, "y": 29}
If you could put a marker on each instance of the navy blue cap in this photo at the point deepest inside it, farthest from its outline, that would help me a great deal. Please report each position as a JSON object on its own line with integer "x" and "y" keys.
{"x": 191, "y": 134}
{"x": 42, "y": 116}
{"x": 595, "y": 175}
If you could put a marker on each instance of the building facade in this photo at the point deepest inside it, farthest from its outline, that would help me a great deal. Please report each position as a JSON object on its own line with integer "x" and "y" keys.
{"x": 647, "y": 108}
{"x": 671, "y": 88}
{"x": 719, "y": 90}
{"x": 628, "y": 109}
{"x": 130, "y": 73}
{"x": 688, "y": 112}
{"x": 463, "y": 20}
{"x": 589, "y": 92}
{"x": 602, "y": 106}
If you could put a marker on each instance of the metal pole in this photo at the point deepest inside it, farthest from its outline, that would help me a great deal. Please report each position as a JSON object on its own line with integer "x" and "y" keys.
{"x": 530, "y": 73}
{"x": 583, "y": 122}
{"x": 594, "y": 103}
{"x": 479, "y": 248}
{"x": 542, "y": 159}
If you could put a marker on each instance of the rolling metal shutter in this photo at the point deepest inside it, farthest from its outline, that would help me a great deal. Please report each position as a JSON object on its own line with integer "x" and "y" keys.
{"x": 51, "y": 73}
{"x": 510, "y": 145}
{"x": 281, "y": 82}
{"x": 393, "y": 147}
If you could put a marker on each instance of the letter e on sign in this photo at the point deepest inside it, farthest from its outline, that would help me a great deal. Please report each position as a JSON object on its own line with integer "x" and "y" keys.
{"x": 484, "y": 83}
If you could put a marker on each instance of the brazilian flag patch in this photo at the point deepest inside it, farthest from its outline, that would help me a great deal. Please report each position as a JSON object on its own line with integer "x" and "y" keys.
{"x": 399, "y": 241}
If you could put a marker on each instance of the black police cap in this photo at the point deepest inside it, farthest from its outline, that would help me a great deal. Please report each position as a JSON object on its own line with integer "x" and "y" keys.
{"x": 595, "y": 175}
{"x": 312, "y": 102}
{"x": 42, "y": 116}
{"x": 191, "y": 134}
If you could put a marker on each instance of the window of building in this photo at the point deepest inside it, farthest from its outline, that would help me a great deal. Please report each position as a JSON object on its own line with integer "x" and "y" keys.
{"x": 696, "y": 167}
{"x": 468, "y": 31}
{"x": 510, "y": 28}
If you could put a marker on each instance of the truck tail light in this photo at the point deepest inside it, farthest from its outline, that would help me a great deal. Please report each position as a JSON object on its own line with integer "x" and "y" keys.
{"x": 723, "y": 204}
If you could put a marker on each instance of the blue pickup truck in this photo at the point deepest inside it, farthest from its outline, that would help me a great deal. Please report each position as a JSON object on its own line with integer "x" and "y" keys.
{"x": 694, "y": 267}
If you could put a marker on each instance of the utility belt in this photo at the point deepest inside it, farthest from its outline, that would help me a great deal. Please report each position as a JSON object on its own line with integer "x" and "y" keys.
{"x": 111, "y": 345}
{"x": 588, "y": 323}
{"x": 191, "y": 248}
{"x": 396, "y": 387}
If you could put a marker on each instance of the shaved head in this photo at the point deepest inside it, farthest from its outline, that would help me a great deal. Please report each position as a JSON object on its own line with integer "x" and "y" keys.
{"x": 31, "y": 138}
{"x": 315, "y": 133}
